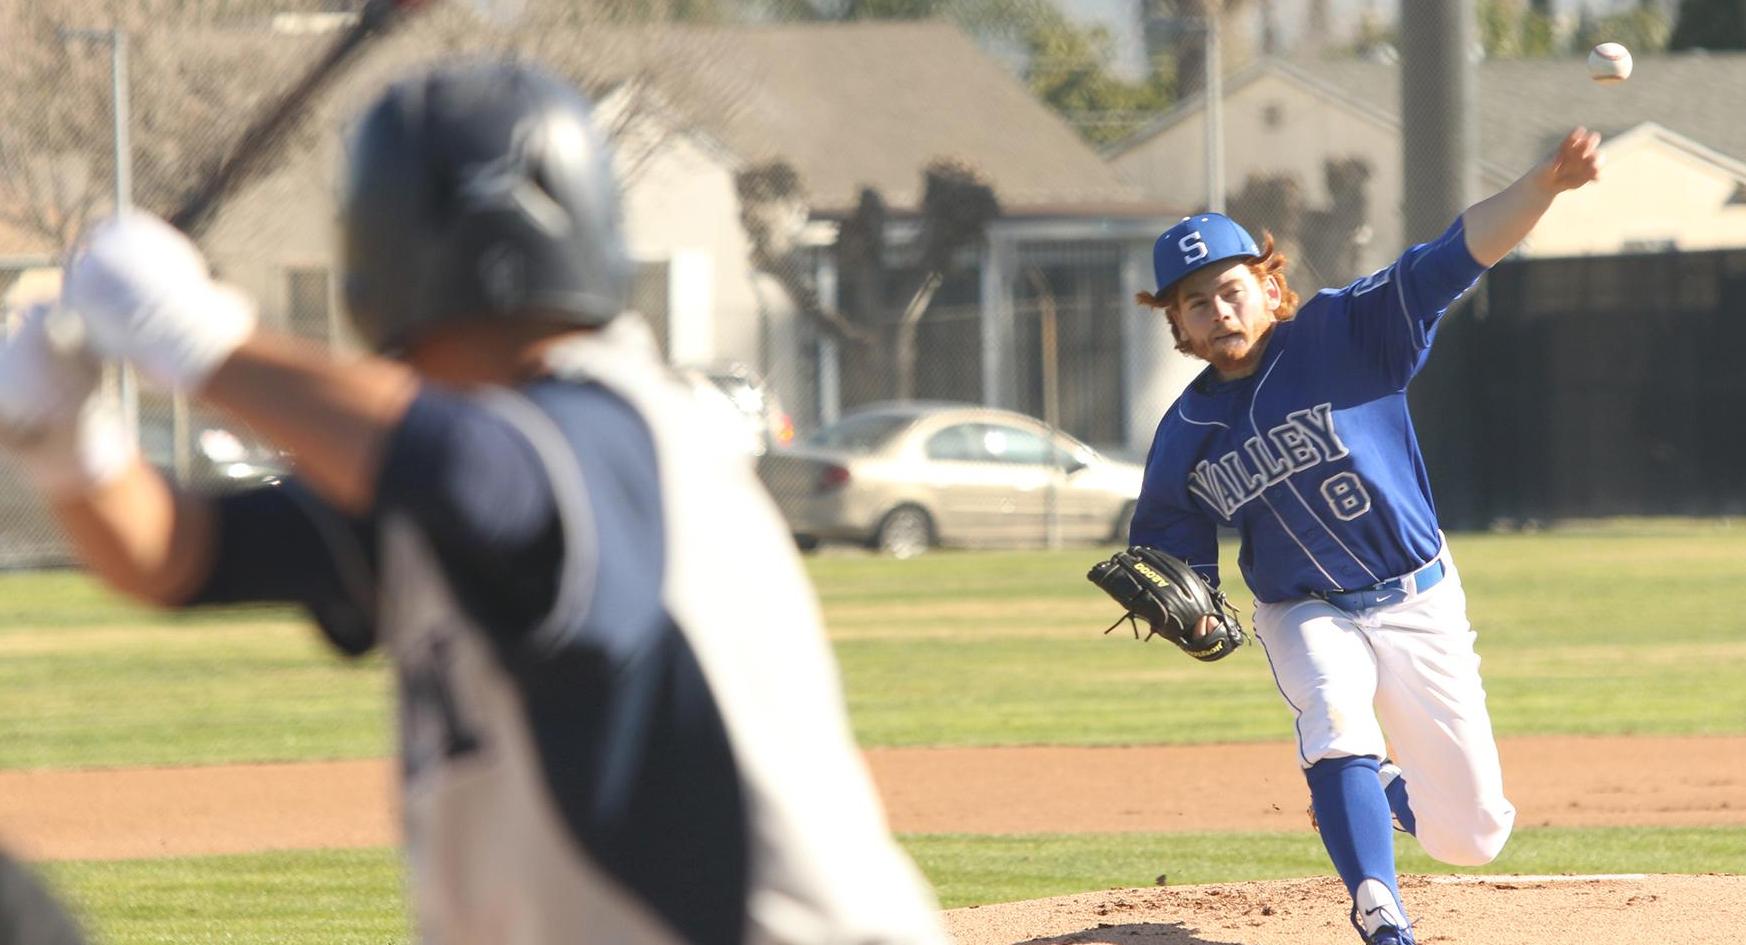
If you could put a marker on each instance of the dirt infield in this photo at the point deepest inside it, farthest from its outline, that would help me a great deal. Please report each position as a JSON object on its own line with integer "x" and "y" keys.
{"x": 1554, "y": 782}
{"x": 1563, "y": 782}
{"x": 1524, "y": 910}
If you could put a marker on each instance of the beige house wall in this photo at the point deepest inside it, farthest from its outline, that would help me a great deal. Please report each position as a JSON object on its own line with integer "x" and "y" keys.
{"x": 1653, "y": 194}
{"x": 289, "y": 220}
{"x": 1658, "y": 188}
{"x": 681, "y": 207}
{"x": 1272, "y": 126}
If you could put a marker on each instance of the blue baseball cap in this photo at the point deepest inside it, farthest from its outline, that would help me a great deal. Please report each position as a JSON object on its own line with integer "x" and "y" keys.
{"x": 1198, "y": 242}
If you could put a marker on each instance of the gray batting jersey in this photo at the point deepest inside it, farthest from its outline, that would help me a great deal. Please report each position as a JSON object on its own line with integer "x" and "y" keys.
{"x": 666, "y": 758}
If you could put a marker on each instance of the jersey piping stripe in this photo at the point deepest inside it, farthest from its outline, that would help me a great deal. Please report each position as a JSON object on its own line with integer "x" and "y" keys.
{"x": 1269, "y": 502}
{"x": 1414, "y": 331}
{"x": 1296, "y": 713}
{"x": 1289, "y": 484}
{"x": 1318, "y": 520}
{"x": 576, "y": 515}
{"x": 1300, "y": 545}
{"x": 1201, "y": 423}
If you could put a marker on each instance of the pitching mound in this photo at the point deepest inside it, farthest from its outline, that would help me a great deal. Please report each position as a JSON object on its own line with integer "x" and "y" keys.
{"x": 1494, "y": 910}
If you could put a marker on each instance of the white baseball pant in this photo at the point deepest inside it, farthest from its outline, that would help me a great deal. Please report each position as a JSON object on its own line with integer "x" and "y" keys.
{"x": 1408, "y": 669}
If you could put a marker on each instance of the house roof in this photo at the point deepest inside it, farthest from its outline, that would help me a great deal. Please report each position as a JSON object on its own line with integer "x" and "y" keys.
{"x": 848, "y": 105}
{"x": 871, "y": 104}
{"x": 1527, "y": 105}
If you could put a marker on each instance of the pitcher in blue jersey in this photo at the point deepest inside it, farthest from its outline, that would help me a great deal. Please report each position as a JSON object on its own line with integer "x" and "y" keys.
{"x": 1297, "y": 436}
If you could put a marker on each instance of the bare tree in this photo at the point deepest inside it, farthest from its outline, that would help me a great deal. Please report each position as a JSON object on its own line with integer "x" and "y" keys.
{"x": 1326, "y": 241}
{"x": 773, "y": 211}
{"x": 1334, "y": 236}
{"x": 53, "y": 118}
{"x": 1185, "y": 22}
{"x": 1272, "y": 42}
{"x": 188, "y": 86}
{"x": 1318, "y": 27}
{"x": 1272, "y": 203}
{"x": 198, "y": 68}
{"x": 957, "y": 206}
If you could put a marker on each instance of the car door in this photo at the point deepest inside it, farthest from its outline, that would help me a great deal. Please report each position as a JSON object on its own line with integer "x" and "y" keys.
{"x": 968, "y": 506}
{"x": 1086, "y": 509}
{"x": 1017, "y": 474}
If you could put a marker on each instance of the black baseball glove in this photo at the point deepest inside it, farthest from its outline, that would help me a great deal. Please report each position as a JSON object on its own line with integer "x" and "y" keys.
{"x": 1166, "y": 593}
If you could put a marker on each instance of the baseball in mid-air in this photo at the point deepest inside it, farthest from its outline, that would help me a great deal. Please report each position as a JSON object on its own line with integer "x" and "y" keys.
{"x": 1609, "y": 63}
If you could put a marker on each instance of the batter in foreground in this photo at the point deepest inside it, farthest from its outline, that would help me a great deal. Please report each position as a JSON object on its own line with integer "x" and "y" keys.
{"x": 620, "y": 720}
{"x": 1297, "y": 436}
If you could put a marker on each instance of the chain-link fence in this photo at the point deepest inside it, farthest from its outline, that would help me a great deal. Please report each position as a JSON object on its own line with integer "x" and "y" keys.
{"x": 935, "y": 226}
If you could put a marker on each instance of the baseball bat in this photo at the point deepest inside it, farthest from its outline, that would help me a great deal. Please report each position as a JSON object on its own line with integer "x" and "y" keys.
{"x": 263, "y": 136}
{"x": 247, "y": 160}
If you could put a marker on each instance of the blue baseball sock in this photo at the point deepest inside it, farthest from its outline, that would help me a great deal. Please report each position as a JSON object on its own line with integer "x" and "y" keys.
{"x": 1353, "y": 815}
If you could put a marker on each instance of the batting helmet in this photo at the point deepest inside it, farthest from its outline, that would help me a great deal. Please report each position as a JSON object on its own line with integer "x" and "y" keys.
{"x": 479, "y": 192}
{"x": 1198, "y": 242}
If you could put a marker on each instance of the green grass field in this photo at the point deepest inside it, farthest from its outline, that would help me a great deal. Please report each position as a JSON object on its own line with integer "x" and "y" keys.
{"x": 353, "y": 897}
{"x": 949, "y": 649}
{"x": 344, "y": 897}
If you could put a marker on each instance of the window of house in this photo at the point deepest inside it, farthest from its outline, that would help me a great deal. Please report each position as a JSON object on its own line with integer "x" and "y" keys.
{"x": 1649, "y": 246}
{"x": 649, "y": 296}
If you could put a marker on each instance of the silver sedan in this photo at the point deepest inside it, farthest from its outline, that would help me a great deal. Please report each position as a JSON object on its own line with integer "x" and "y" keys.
{"x": 904, "y": 477}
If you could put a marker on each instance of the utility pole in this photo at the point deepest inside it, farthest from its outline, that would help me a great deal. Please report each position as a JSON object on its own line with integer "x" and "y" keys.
{"x": 1439, "y": 153}
{"x": 1215, "y": 111}
{"x": 121, "y": 112}
{"x": 120, "y": 109}
{"x": 1439, "y": 103}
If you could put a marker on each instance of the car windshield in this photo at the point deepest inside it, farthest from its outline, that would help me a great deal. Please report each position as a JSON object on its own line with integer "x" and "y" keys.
{"x": 860, "y": 434}
{"x": 1077, "y": 450}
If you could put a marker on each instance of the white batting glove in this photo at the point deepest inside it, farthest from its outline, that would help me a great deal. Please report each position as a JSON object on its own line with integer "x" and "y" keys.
{"x": 53, "y": 421}
{"x": 145, "y": 295}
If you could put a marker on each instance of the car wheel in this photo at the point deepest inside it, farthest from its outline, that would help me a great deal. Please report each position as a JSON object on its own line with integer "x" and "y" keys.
{"x": 806, "y": 542}
{"x": 904, "y": 532}
{"x": 1124, "y": 523}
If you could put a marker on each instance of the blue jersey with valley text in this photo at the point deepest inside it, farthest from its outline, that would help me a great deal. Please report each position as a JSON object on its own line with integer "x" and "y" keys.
{"x": 1312, "y": 459}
